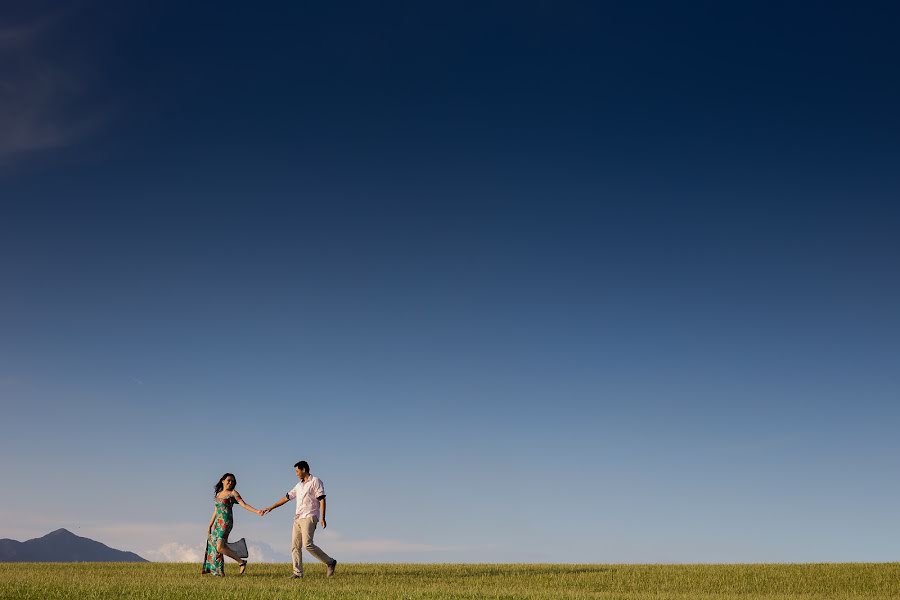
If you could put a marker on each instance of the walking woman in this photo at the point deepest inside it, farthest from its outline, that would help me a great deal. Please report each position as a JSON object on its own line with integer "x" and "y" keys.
{"x": 220, "y": 525}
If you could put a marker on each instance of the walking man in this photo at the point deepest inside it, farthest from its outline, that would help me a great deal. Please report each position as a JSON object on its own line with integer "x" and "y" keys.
{"x": 310, "y": 496}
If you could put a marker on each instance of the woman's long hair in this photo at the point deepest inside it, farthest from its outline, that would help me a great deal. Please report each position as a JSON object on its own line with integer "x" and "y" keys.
{"x": 220, "y": 486}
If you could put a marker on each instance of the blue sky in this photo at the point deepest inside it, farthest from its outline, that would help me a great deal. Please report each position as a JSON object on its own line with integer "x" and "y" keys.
{"x": 521, "y": 281}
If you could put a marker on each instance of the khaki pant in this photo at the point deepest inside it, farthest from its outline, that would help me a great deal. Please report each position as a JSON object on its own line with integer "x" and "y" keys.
{"x": 302, "y": 537}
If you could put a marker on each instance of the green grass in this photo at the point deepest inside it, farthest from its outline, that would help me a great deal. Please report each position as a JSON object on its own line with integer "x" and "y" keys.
{"x": 39, "y": 581}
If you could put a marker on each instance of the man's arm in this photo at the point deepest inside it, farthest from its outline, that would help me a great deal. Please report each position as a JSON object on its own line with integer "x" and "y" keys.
{"x": 322, "y": 511}
{"x": 282, "y": 502}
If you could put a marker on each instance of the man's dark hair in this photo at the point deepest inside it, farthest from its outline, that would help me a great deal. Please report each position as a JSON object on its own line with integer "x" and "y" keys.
{"x": 303, "y": 466}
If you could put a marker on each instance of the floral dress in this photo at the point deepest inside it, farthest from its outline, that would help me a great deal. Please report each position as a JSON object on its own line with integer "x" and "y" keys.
{"x": 214, "y": 562}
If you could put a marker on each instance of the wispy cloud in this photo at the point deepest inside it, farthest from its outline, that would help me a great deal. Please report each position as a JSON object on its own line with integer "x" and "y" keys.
{"x": 175, "y": 552}
{"x": 263, "y": 552}
{"x": 184, "y": 541}
{"x": 260, "y": 552}
{"x": 381, "y": 546}
{"x": 21, "y": 36}
{"x": 41, "y": 92}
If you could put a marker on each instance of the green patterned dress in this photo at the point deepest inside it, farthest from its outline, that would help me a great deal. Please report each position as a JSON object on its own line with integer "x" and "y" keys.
{"x": 215, "y": 562}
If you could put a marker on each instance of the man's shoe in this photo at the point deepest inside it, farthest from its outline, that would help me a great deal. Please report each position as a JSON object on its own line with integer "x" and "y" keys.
{"x": 295, "y": 576}
{"x": 330, "y": 571}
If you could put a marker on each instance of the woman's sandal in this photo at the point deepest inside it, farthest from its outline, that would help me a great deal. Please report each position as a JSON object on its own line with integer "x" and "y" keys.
{"x": 243, "y": 566}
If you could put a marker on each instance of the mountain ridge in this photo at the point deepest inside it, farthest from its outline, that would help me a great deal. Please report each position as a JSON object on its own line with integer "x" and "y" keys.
{"x": 61, "y": 545}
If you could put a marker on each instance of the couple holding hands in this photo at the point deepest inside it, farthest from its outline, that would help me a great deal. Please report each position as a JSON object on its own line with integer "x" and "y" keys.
{"x": 310, "y": 496}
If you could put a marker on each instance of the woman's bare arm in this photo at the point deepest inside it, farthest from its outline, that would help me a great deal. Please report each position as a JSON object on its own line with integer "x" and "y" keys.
{"x": 245, "y": 505}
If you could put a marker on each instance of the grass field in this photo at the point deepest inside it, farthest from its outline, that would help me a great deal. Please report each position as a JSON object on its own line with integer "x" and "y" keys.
{"x": 39, "y": 581}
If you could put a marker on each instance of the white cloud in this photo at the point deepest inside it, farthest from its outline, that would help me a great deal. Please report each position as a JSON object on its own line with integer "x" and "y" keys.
{"x": 260, "y": 552}
{"x": 376, "y": 549}
{"x": 175, "y": 552}
{"x": 184, "y": 542}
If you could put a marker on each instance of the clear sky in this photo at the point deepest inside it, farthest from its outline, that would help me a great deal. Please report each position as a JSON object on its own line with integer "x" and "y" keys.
{"x": 522, "y": 281}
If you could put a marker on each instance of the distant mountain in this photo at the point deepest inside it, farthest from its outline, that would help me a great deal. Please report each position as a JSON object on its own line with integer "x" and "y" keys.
{"x": 62, "y": 546}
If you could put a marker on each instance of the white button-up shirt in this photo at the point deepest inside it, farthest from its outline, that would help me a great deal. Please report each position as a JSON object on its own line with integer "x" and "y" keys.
{"x": 307, "y": 493}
